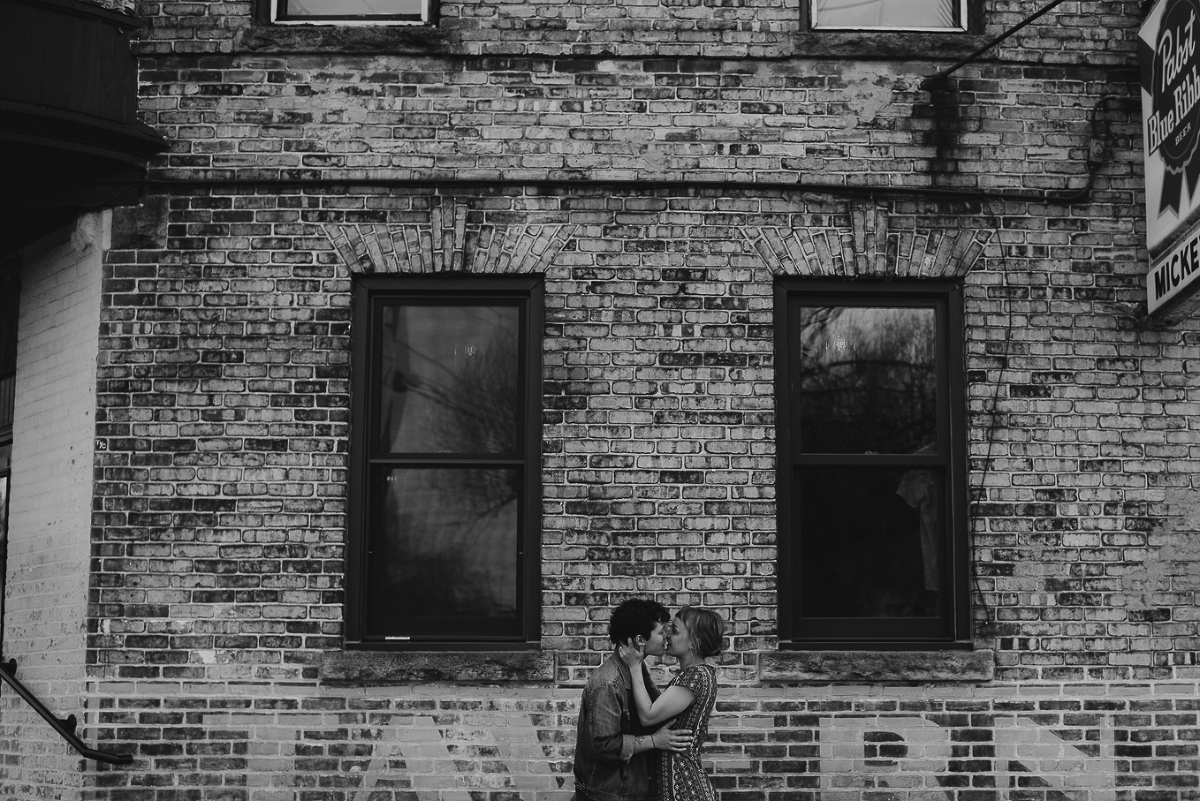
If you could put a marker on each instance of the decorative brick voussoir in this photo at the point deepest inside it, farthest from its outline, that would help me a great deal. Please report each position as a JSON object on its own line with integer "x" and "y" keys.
{"x": 454, "y": 240}
{"x": 872, "y": 246}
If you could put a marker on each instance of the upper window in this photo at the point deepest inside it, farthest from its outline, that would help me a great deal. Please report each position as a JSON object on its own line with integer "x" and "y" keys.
{"x": 904, "y": 15}
{"x": 445, "y": 477}
{"x": 342, "y": 12}
{"x": 871, "y": 475}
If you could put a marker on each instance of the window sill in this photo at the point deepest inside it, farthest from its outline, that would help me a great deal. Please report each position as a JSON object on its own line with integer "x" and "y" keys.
{"x": 400, "y": 667}
{"x": 436, "y": 40}
{"x": 870, "y": 667}
{"x": 886, "y": 45}
{"x": 341, "y": 39}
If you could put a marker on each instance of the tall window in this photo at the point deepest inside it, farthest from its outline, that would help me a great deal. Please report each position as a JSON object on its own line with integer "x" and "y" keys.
{"x": 445, "y": 481}
{"x": 907, "y": 15}
{"x": 340, "y": 12}
{"x": 871, "y": 476}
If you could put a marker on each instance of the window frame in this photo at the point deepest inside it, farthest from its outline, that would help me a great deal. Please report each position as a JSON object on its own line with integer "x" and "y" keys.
{"x": 971, "y": 12}
{"x": 369, "y": 294}
{"x": 953, "y": 631}
{"x": 269, "y": 11}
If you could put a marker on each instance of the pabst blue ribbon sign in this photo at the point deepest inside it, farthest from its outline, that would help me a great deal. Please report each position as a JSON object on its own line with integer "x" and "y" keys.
{"x": 1170, "y": 60}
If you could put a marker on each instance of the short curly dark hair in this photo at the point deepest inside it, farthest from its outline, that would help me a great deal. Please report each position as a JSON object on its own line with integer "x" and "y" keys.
{"x": 634, "y": 617}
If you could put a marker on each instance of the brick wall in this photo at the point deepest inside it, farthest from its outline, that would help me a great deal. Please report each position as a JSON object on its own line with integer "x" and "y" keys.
{"x": 45, "y": 604}
{"x": 1099, "y": 33}
{"x": 658, "y": 480}
{"x": 555, "y": 138}
{"x": 1049, "y": 741}
{"x": 305, "y": 117}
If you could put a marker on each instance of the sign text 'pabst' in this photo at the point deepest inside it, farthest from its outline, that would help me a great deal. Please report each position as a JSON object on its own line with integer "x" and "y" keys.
{"x": 1170, "y": 54}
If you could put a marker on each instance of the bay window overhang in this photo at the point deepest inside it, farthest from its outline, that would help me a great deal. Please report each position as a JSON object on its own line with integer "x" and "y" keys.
{"x": 70, "y": 140}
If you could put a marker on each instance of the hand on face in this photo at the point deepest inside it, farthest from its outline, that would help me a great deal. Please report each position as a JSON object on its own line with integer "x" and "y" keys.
{"x": 631, "y": 653}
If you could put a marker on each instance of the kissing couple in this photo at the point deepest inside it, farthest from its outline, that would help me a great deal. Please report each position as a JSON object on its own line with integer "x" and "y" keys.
{"x": 635, "y": 742}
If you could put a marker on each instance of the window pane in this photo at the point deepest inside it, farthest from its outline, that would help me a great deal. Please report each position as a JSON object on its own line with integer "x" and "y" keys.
{"x": 870, "y": 541}
{"x": 443, "y": 544}
{"x": 449, "y": 379}
{"x": 867, "y": 379}
{"x": 897, "y": 14}
{"x": 351, "y": 8}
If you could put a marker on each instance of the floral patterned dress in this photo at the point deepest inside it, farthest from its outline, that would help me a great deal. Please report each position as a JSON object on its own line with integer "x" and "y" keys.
{"x": 681, "y": 777}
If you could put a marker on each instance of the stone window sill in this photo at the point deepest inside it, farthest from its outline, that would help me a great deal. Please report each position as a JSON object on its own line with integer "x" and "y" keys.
{"x": 871, "y": 667}
{"x": 886, "y": 45}
{"x": 402, "y": 667}
{"x": 343, "y": 40}
{"x": 435, "y": 40}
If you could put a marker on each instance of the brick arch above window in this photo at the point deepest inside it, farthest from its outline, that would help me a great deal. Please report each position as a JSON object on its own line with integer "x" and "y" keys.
{"x": 872, "y": 247}
{"x": 449, "y": 242}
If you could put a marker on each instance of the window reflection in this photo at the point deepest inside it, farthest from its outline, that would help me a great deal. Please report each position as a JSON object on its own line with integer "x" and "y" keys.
{"x": 446, "y": 542}
{"x": 449, "y": 379}
{"x": 867, "y": 380}
{"x": 872, "y": 542}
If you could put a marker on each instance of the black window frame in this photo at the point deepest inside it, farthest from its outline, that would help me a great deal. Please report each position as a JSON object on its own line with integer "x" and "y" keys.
{"x": 953, "y": 628}
{"x": 972, "y": 24}
{"x": 369, "y": 295}
{"x": 275, "y": 12}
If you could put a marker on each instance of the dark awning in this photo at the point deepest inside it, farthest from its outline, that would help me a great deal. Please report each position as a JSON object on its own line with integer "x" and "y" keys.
{"x": 70, "y": 139}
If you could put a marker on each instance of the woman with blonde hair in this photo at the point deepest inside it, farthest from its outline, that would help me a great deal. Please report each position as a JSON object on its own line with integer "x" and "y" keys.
{"x": 687, "y": 702}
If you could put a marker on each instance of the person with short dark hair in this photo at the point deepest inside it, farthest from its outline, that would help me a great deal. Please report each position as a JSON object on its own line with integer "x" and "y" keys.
{"x": 695, "y": 635}
{"x": 614, "y": 751}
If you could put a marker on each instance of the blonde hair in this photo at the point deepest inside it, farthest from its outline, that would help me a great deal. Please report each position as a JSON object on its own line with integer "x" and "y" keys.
{"x": 706, "y": 627}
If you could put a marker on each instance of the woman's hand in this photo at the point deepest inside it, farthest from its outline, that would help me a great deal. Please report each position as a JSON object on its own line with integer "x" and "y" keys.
{"x": 631, "y": 654}
{"x": 672, "y": 739}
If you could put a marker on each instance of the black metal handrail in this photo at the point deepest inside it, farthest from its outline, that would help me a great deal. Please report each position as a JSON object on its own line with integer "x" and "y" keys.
{"x": 64, "y": 726}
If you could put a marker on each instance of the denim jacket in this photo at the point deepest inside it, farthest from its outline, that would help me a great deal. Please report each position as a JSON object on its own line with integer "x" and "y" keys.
{"x": 606, "y": 769}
